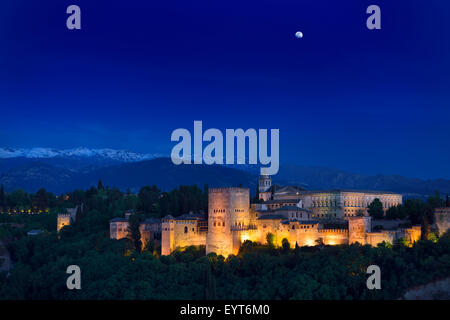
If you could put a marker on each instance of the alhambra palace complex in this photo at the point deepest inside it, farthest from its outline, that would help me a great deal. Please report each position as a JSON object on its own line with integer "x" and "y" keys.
{"x": 304, "y": 218}
{"x": 286, "y": 212}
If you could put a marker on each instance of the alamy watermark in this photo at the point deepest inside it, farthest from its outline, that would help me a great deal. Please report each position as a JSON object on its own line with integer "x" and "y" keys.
{"x": 213, "y": 153}
{"x": 373, "y": 22}
{"x": 74, "y": 280}
{"x": 374, "y": 280}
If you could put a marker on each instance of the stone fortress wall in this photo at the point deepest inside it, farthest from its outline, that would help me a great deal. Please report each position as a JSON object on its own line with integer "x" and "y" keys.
{"x": 228, "y": 217}
{"x": 181, "y": 233}
{"x": 66, "y": 219}
{"x": 231, "y": 222}
{"x": 302, "y": 217}
{"x": 62, "y": 220}
{"x": 118, "y": 228}
{"x": 150, "y": 229}
{"x": 442, "y": 220}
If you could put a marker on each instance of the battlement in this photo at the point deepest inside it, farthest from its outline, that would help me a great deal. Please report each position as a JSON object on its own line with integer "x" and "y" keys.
{"x": 228, "y": 190}
{"x": 231, "y": 221}
{"x": 243, "y": 228}
{"x": 333, "y": 231}
{"x": 63, "y": 219}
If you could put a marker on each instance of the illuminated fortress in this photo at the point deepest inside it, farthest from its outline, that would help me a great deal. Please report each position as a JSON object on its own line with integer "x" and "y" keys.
{"x": 304, "y": 218}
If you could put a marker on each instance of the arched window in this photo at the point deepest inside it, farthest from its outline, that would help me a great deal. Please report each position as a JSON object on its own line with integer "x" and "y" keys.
{"x": 185, "y": 229}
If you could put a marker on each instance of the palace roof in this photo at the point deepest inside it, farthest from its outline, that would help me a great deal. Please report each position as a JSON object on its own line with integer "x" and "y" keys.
{"x": 281, "y": 201}
{"x": 289, "y": 189}
{"x": 186, "y": 216}
{"x": 272, "y": 217}
{"x": 348, "y": 190}
{"x": 291, "y": 208}
{"x": 306, "y": 221}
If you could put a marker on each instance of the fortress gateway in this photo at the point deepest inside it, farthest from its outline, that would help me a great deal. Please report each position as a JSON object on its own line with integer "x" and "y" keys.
{"x": 305, "y": 218}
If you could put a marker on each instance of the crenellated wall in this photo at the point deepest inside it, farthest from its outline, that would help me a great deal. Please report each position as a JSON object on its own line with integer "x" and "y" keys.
{"x": 63, "y": 220}
{"x": 357, "y": 229}
{"x": 180, "y": 233}
{"x": 360, "y": 231}
{"x": 231, "y": 222}
{"x": 333, "y": 236}
{"x": 411, "y": 235}
{"x": 374, "y": 238}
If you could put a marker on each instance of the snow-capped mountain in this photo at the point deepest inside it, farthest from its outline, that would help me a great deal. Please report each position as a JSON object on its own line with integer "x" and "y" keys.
{"x": 46, "y": 153}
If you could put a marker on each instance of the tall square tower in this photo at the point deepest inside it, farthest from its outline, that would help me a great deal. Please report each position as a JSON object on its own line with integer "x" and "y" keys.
{"x": 228, "y": 209}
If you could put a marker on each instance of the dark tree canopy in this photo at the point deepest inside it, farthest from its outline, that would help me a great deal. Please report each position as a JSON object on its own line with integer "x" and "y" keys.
{"x": 120, "y": 269}
{"x": 100, "y": 185}
{"x": 2, "y": 198}
{"x": 134, "y": 234}
{"x": 376, "y": 209}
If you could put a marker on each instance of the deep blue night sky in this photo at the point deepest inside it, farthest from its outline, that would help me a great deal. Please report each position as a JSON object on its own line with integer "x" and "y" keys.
{"x": 342, "y": 96}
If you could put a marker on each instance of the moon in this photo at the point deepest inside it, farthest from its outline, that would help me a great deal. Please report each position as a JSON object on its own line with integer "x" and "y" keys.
{"x": 299, "y": 34}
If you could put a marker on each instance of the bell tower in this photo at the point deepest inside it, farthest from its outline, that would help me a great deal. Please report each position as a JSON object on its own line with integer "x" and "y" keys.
{"x": 265, "y": 182}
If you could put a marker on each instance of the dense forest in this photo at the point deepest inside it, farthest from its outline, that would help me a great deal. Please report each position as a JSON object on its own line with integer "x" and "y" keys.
{"x": 109, "y": 201}
{"x": 115, "y": 270}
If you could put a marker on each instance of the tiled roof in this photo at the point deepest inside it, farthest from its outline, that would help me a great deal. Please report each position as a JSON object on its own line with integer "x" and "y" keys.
{"x": 289, "y": 189}
{"x": 291, "y": 208}
{"x": 300, "y": 221}
{"x": 281, "y": 201}
{"x": 348, "y": 190}
{"x": 118, "y": 220}
{"x": 307, "y": 221}
{"x": 271, "y": 217}
{"x": 191, "y": 216}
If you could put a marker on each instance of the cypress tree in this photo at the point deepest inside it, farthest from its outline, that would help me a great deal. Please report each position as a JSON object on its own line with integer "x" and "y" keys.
{"x": 210, "y": 284}
{"x": 134, "y": 234}
{"x": 79, "y": 213}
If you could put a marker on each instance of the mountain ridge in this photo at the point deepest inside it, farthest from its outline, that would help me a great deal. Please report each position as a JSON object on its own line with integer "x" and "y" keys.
{"x": 79, "y": 152}
{"x": 81, "y": 168}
